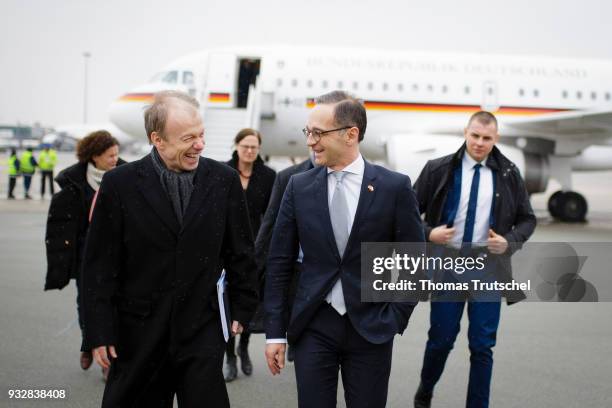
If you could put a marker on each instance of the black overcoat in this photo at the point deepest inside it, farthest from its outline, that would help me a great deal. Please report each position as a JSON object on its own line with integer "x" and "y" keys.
{"x": 150, "y": 284}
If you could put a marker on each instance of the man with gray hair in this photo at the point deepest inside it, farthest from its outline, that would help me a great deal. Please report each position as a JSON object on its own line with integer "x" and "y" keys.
{"x": 163, "y": 229}
{"x": 328, "y": 212}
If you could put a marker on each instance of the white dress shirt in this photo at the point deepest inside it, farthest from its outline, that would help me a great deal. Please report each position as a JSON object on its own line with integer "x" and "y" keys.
{"x": 483, "y": 205}
{"x": 352, "y": 189}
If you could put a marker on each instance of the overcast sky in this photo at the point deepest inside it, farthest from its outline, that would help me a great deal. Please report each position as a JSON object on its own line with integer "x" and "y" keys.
{"x": 42, "y": 41}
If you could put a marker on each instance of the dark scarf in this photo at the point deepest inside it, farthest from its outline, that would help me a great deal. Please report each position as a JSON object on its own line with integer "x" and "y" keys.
{"x": 178, "y": 186}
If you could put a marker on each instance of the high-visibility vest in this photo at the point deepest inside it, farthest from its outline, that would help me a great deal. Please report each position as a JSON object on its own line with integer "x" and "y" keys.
{"x": 12, "y": 166}
{"x": 47, "y": 159}
{"x": 26, "y": 162}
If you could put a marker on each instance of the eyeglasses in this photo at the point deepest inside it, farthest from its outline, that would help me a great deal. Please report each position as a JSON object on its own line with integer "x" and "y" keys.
{"x": 316, "y": 134}
{"x": 246, "y": 147}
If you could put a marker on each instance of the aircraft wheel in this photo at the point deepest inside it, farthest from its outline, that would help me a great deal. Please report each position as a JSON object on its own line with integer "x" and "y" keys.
{"x": 568, "y": 206}
{"x": 554, "y": 204}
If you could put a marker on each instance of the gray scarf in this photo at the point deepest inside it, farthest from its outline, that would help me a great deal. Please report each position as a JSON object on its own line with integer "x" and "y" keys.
{"x": 178, "y": 186}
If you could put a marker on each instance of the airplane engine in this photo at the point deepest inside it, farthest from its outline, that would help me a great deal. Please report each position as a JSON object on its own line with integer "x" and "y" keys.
{"x": 408, "y": 153}
{"x": 537, "y": 172}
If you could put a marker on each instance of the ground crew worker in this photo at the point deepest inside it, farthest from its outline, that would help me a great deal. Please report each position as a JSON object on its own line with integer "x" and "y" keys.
{"x": 13, "y": 171}
{"x": 46, "y": 162}
{"x": 28, "y": 167}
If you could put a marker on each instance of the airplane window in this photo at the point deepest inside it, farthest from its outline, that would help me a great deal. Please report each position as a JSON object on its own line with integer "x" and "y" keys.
{"x": 355, "y": 85}
{"x": 593, "y": 95}
{"x": 490, "y": 91}
{"x": 400, "y": 87}
{"x": 309, "y": 83}
{"x": 466, "y": 90}
{"x": 521, "y": 92}
{"x": 430, "y": 88}
{"x": 444, "y": 89}
{"x": 170, "y": 77}
{"x": 340, "y": 85}
{"x": 157, "y": 77}
{"x": 294, "y": 82}
{"x": 324, "y": 84}
{"x": 607, "y": 96}
{"x": 188, "y": 78}
{"x": 415, "y": 87}
{"x": 536, "y": 93}
{"x": 279, "y": 82}
{"x": 385, "y": 86}
{"x": 370, "y": 86}
{"x": 564, "y": 94}
{"x": 579, "y": 95}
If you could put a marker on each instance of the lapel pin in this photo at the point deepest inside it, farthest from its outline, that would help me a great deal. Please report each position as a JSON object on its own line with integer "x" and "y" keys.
{"x": 370, "y": 188}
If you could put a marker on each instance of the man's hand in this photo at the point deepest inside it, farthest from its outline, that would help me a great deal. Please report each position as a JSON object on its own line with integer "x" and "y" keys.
{"x": 275, "y": 357}
{"x": 101, "y": 355}
{"x": 236, "y": 328}
{"x": 441, "y": 234}
{"x": 496, "y": 243}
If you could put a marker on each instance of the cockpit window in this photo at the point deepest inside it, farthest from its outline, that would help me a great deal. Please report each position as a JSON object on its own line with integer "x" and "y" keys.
{"x": 188, "y": 78}
{"x": 169, "y": 77}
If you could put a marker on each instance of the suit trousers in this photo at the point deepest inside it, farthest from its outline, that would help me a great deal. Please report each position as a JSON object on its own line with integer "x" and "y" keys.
{"x": 482, "y": 333}
{"x": 193, "y": 373}
{"x": 330, "y": 343}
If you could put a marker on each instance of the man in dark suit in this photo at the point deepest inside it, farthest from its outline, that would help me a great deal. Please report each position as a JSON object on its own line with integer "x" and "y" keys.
{"x": 264, "y": 236}
{"x": 475, "y": 200}
{"x": 328, "y": 212}
{"x": 163, "y": 229}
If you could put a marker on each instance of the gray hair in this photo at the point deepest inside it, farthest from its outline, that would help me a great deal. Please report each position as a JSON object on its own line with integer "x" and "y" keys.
{"x": 348, "y": 110}
{"x": 156, "y": 114}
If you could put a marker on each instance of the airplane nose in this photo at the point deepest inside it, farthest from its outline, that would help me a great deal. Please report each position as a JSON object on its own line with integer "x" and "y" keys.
{"x": 127, "y": 113}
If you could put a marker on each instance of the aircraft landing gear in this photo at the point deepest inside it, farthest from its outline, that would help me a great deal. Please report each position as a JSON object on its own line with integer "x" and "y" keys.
{"x": 568, "y": 206}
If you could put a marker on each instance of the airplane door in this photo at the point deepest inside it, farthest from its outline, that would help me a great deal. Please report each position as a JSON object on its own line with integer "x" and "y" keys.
{"x": 490, "y": 100}
{"x": 221, "y": 79}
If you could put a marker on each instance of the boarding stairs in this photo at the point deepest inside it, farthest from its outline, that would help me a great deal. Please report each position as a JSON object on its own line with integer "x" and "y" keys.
{"x": 222, "y": 124}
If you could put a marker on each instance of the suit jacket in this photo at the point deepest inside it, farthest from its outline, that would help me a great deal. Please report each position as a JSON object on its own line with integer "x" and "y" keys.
{"x": 386, "y": 212}
{"x": 264, "y": 236}
{"x": 148, "y": 281}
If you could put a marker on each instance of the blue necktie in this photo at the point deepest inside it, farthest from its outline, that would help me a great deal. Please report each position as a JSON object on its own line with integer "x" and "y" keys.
{"x": 468, "y": 231}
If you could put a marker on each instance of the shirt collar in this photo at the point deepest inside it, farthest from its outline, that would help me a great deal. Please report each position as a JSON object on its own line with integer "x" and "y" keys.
{"x": 469, "y": 162}
{"x": 356, "y": 167}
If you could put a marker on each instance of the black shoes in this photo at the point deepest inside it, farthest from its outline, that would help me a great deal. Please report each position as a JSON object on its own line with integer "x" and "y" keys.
{"x": 245, "y": 361}
{"x": 230, "y": 372}
{"x": 422, "y": 399}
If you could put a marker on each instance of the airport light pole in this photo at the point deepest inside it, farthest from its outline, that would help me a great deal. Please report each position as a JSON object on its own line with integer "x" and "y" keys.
{"x": 86, "y": 56}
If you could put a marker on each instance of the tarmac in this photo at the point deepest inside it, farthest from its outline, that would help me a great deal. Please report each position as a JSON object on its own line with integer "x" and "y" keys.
{"x": 547, "y": 354}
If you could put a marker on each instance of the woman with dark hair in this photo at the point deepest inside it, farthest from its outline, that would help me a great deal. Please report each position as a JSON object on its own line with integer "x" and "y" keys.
{"x": 68, "y": 218}
{"x": 257, "y": 181}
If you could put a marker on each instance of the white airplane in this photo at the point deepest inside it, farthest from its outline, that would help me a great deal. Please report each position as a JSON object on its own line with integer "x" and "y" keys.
{"x": 70, "y": 134}
{"x": 555, "y": 114}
